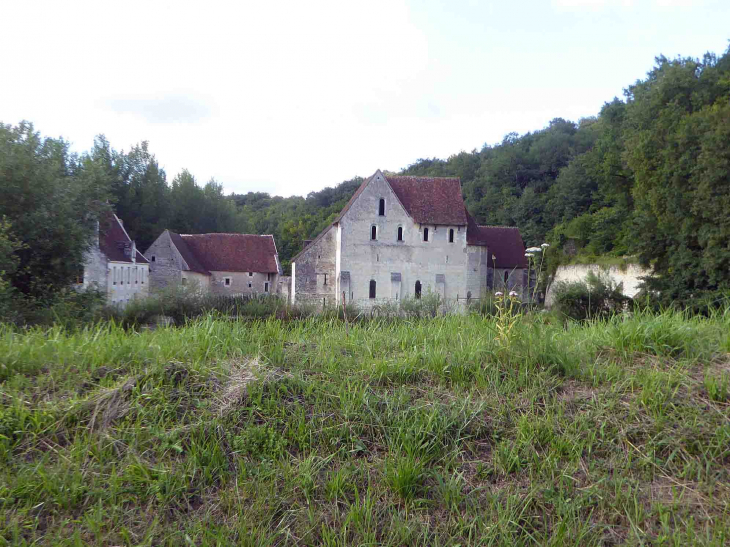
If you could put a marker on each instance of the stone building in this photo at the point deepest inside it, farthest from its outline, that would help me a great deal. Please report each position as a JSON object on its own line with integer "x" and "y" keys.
{"x": 402, "y": 237}
{"x": 113, "y": 265}
{"x": 232, "y": 264}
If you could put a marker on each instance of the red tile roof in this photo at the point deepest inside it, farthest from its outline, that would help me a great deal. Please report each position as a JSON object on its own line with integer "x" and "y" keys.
{"x": 190, "y": 259}
{"x": 114, "y": 241}
{"x": 427, "y": 200}
{"x": 505, "y": 242}
{"x": 231, "y": 252}
{"x": 430, "y": 200}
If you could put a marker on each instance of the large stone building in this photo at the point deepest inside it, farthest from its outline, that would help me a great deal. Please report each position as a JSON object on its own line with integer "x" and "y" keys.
{"x": 231, "y": 264}
{"x": 113, "y": 265}
{"x": 402, "y": 237}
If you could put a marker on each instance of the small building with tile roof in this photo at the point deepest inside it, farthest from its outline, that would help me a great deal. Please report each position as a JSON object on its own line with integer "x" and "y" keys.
{"x": 113, "y": 265}
{"x": 231, "y": 264}
{"x": 402, "y": 237}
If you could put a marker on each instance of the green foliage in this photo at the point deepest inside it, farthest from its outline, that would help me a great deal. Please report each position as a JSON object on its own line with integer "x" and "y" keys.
{"x": 51, "y": 200}
{"x": 397, "y": 432}
{"x": 597, "y": 296}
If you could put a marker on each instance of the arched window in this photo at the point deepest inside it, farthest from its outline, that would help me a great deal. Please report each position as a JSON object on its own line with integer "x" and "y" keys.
{"x": 451, "y": 235}
{"x": 418, "y": 289}
{"x": 373, "y": 233}
{"x": 381, "y": 207}
{"x": 425, "y": 234}
{"x": 400, "y": 233}
{"x": 372, "y": 288}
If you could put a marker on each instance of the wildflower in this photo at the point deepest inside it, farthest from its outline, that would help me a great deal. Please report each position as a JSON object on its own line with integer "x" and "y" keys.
{"x": 498, "y": 293}
{"x": 513, "y": 293}
{"x": 529, "y": 255}
{"x": 545, "y": 245}
{"x": 534, "y": 250}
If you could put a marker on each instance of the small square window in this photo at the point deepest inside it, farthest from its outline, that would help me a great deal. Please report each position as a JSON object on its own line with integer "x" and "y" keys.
{"x": 227, "y": 281}
{"x": 152, "y": 258}
{"x": 250, "y": 274}
{"x": 249, "y": 285}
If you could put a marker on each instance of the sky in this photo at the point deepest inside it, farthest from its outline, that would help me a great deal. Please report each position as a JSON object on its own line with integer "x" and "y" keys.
{"x": 291, "y": 97}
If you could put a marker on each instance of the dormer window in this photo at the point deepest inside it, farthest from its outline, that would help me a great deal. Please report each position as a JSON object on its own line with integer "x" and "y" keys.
{"x": 381, "y": 207}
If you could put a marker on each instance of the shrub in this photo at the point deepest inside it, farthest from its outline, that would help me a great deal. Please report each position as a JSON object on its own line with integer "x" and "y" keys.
{"x": 597, "y": 296}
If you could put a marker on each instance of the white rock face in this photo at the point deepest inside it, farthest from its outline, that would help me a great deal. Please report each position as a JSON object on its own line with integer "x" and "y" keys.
{"x": 630, "y": 277}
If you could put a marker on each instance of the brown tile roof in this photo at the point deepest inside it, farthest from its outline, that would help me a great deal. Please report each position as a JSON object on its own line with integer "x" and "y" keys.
{"x": 427, "y": 200}
{"x": 233, "y": 252}
{"x": 113, "y": 240}
{"x": 505, "y": 242}
{"x": 187, "y": 254}
{"x": 430, "y": 200}
{"x": 141, "y": 259}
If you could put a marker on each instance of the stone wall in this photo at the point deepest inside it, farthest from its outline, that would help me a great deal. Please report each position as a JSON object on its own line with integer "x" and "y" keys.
{"x": 314, "y": 273}
{"x": 630, "y": 277}
{"x": 127, "y": 282}
{"x": 243, "y": 283}
{"x": 166, "y": 263}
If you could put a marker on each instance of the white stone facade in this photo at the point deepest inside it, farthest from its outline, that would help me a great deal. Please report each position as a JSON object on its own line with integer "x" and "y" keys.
{"x": 114, "y": 267}
{"x": 346, "y": 258}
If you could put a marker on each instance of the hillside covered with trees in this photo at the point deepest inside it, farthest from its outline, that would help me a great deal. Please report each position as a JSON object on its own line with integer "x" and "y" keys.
{"x": 649, "y": 176}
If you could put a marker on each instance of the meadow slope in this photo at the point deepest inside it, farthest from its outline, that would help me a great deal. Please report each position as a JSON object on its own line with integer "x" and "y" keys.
{"x": 407, "y": 432}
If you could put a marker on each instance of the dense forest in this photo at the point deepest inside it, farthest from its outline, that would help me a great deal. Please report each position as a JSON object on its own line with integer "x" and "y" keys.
{"x": 649, "y": 177}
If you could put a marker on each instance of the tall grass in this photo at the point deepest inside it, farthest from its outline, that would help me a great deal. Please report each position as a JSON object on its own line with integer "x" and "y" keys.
{"x": 411, "y": 431}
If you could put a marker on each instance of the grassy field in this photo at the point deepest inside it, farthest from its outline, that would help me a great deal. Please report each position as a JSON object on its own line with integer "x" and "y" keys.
{"x": 422, "y": 432}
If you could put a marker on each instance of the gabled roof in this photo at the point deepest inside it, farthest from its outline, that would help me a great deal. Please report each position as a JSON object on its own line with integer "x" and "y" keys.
{"x": 187, "y": 255}
{"x": 114, "y": 240}
{"x": 428, "y": 200}
{"x": 141, "y": 259}
{"x": 229, "y": 252}
{"x": 504, "y": 242}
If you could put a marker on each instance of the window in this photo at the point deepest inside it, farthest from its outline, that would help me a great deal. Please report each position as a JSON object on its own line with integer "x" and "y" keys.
{"x": 249, "y": 285}
{"x": 152, "y": 258}
{"x": 468, "y": 296}
{"x": 400, "y": 233}
{"x": 136, "y": 275}
{"x": 114, "y": 276}
{"x": 227, "y": 281}
{"x": 268, "y": 277}
{"x": 373, "y": 233}
{"x": 141, "y": 275}
{"x": 451, "y": 235}
{"x": 325, "y": 279}
{"x": 372, "y": 288}
{"x": 425, "y": 234}
{"x": 266, "y": 287}
{"x": 418, "y": 289}
{"x": 381, "y": 207}
{"x": 250, "y": 274}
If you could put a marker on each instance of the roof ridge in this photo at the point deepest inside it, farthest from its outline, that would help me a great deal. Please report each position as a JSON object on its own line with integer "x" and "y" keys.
{"x": 497, "y": 226}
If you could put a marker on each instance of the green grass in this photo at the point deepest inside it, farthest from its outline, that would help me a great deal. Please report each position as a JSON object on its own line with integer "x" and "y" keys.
{"x": 395, "y": 432}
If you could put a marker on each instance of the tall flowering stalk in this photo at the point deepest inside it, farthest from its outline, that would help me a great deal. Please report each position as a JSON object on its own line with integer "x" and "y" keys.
{"x": 509, "y": 312}
{"x": 531, "y": 253}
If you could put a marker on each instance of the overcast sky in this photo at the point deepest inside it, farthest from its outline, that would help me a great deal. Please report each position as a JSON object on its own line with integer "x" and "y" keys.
{"x": 290, "y": 97}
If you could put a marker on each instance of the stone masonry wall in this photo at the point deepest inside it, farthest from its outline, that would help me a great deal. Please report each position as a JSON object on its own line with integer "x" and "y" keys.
{"x": 440, "y": 266}
{"x": 314, "y": 273}
{"x": 166, "y": 263}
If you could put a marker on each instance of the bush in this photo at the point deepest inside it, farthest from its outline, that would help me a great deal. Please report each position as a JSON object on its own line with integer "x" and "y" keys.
{"x": 598, "y": 296}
